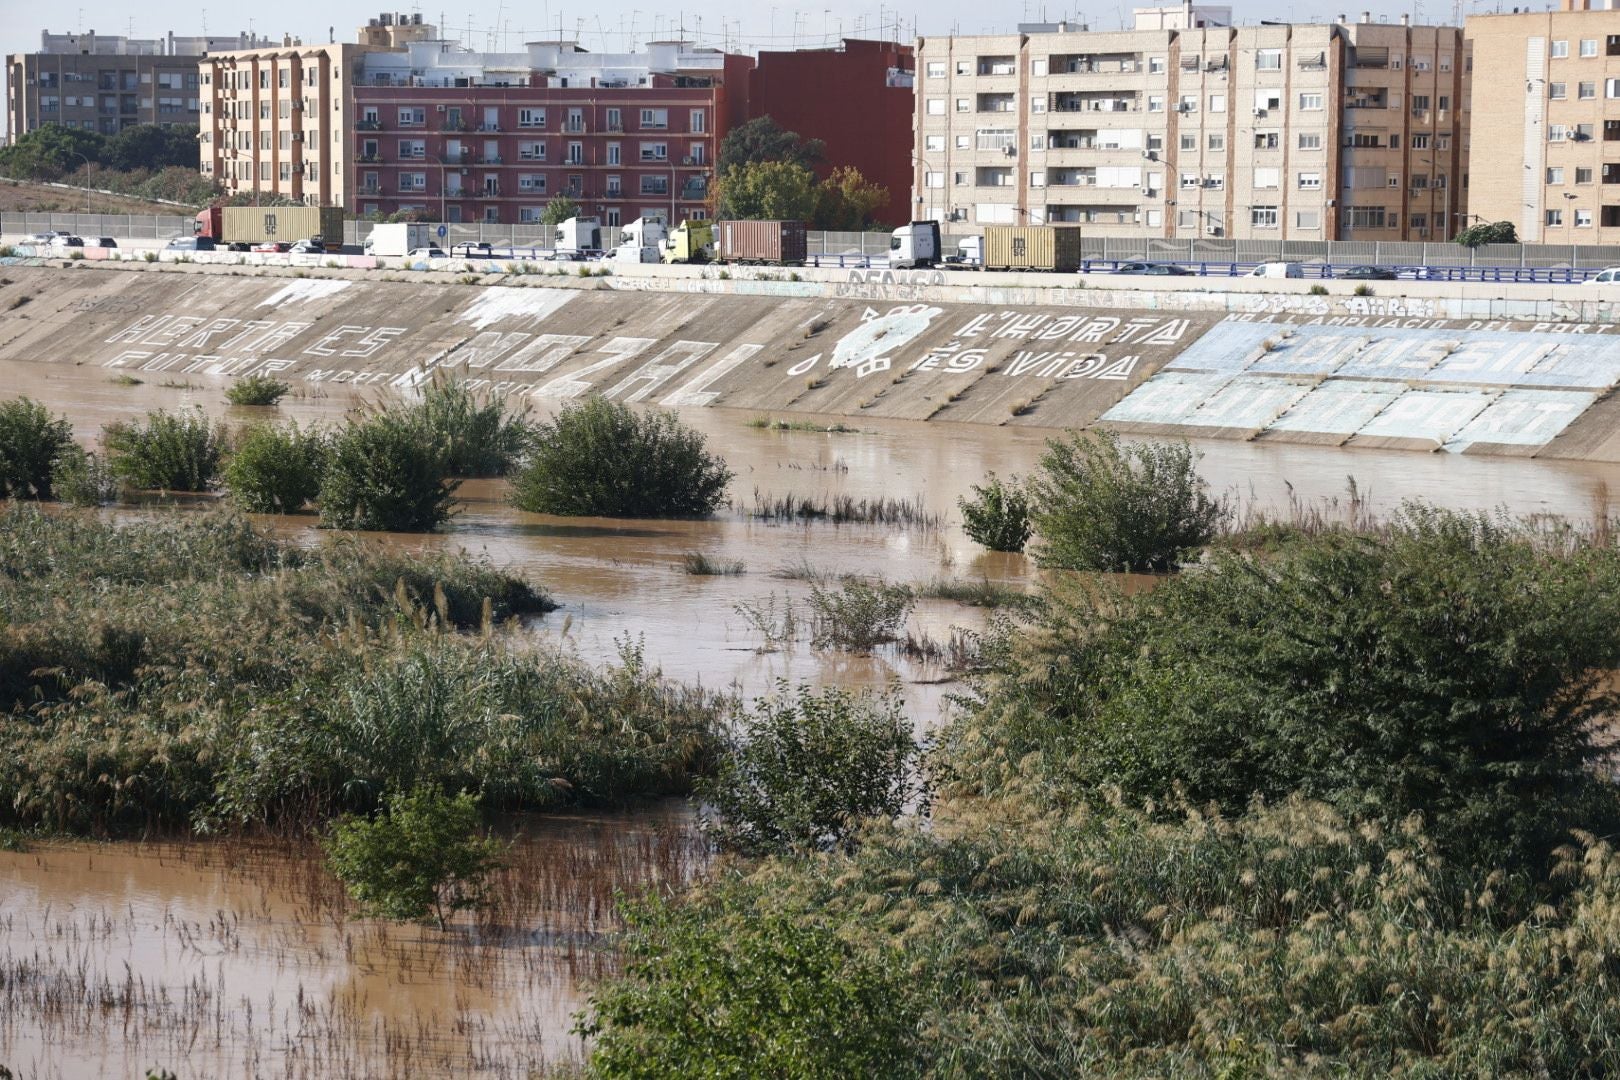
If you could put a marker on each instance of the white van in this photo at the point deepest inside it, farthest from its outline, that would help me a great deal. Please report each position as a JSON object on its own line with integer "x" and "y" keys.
{"x": 1609, "y": 275}
{"x": 1278, "y": 270}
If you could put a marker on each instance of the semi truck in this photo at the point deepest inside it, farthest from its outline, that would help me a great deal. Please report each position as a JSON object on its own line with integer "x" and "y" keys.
{"x": 240, "y": 227}
{"x": 398, "y": 239}
{"x": 641, "y": 241}
{"x": 1032, "y": 247}
{"x": 915, "y": 246}
{"x": 691, "y": 242}
{"x": 779, "y": 243}
{"x": 578, "y": 236}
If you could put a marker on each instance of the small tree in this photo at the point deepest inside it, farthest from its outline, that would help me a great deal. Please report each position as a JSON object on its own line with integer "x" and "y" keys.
{"x": 1101, "y": 505}
{"x": 276, "y": 470}
{"x": 847, "y": 202}
{"x": 767, "y": 191}
{"x": 559, "y": 210}
{"x": 806, "y": 768}
{"x": 479, "y": 436}
{"x": 257, "y": 390}
{"x": 422, "y": 855}
{"x": 382, "y": 473}
{"x": 32, "y": 447}
{"x": 169, "y": 452}
{"x": 763, "y": 139}
{"x": 604, "y": 458}
{"x": 1495, "y": 232}
{"x": 997, "y": 516}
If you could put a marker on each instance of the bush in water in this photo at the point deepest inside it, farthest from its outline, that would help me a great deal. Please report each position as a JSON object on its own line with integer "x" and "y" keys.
{"x": 382, "y": 475}
{"x": 257, "y": 390}
{"x": 169, "y": 452}
{"x": 276, "y": 470}
{"x": 997, "y": 516}
{"x": 33, "y": 445}
{"x": 480, "y": 437}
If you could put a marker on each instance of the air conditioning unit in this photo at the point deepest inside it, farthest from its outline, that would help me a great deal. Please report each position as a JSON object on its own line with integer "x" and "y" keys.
{"x": 1259, "y": 111}
{"x": 441, "y": 108}
{"x": 1151, "y": 155}
{"x": 1212, "y": 230}
{"x": 1008, "y": 151}
{"x": 1147, "y": 191}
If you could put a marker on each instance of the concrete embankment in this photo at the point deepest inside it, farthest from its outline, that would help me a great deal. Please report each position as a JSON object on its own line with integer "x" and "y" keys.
{"x": 1493, "y": 368}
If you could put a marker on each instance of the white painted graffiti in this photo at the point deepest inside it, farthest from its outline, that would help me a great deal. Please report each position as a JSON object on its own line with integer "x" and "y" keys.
{"x": 867, "y": 348}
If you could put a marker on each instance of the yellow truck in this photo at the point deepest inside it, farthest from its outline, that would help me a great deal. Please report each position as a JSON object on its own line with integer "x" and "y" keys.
{"x": 691, "y": 242}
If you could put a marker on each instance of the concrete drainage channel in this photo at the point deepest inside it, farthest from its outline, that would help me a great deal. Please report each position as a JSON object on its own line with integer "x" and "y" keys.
{"x": 1518, "y": 369}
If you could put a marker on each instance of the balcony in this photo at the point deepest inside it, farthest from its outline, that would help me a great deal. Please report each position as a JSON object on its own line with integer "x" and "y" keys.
{"x": 1067, "y": 103}
{"x": 490, "y": 159}
{"x": 694, "y": 192}
{"x": 491, "y": 191}
{"x": 453, "y": 125}
{"x": 655, "y": 189}
{"x": 574, "y": 127}
{"x": 370, "y": 189}
{"x": 489, "y": 127}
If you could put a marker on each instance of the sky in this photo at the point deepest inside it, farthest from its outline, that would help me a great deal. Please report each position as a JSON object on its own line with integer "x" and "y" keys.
{"x": 741, "y": 25}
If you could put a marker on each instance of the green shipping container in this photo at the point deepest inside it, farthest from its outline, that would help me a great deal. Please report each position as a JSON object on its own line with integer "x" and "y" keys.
{"x": 1032, "y": 247}
{"x": 261, "y": 224}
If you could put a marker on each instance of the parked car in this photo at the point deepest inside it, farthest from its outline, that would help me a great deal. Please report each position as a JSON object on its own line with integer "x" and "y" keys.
{"x": 1609, "y": 275}
{"x": 40, "y": 239}
{"x": 67, "y": 240}
{"x": 190, "y": 243}
{"x": 273, "y": 247}
{"x": 313, "y": 245}
{"x": 1365, "y": 273}
{"x": 1152, "y": 269}
{"x": 426, "y": 253}
{"x": 473, "y": 249}
{"x": 103, "y": 242}
{"x": 1278, "y": 270}
{"x": 238, "y": 245}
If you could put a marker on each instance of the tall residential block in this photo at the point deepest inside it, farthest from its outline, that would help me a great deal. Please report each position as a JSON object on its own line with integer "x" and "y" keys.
{"x": 105, "y": 83}
{"x": 1189, "y": 127}
{"x": 409, "y": 122}
{"x": 857, "y": 99}
{"x": 1547, "y": 109}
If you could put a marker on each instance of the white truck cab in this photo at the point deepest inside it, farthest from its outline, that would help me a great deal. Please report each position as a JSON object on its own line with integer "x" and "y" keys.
{"x": 577, "y": 235}
{"x": 914, "y": 246}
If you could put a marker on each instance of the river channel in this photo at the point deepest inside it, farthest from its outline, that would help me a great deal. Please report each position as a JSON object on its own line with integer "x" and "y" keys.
{"x": 229, "y": 959}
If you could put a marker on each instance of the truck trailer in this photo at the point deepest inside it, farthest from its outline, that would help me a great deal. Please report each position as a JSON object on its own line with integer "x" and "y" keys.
{"x": 242, "y": 226}
{"x": 397, "y": 239}
{"x": 1032, "y": 247}
{"x": 778, "y": 243}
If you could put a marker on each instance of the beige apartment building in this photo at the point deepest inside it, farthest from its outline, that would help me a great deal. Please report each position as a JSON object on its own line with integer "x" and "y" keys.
{"x": 1189, "y": 127}
{"x": 1548, "y": 108}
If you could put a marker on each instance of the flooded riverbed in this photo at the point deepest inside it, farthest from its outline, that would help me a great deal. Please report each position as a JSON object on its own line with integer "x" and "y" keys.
{"x": 233, "y": 959}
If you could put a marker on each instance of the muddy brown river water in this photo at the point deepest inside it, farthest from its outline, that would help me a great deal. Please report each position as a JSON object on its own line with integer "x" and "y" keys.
{"x": 216, "y": 959}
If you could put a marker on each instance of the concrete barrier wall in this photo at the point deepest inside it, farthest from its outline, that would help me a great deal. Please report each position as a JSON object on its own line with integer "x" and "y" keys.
{"x": 1436, "y": 371}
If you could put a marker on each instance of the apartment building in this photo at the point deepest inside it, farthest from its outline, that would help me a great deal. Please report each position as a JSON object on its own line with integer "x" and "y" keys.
{"x": 1548, "y": 109}
{"x": 1188, "y": 127}
{"x": 493, "y": 137}
{"x": 410, "y": 122}
{"x": 857, "y": 99}
{"x": 105, "y": 83}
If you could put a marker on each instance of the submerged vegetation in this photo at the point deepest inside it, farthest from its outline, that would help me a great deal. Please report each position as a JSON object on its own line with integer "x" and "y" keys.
{"x": 259, "y": 390}
{"x": 33, "y": 445}
{"x": 166, "y": 452}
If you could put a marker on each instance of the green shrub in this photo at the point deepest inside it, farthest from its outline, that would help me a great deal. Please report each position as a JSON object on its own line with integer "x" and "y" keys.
{"x": 169, "y": 452}
{"x": 1318, "y": 290}
{"x": 257, "y": 390}
{"x": 1450, "y": 670}
{"x": 997, "y": 516}
{"x": 84, "y": 479}
{"x": 1101, "y": 505}
{"x": 33, "y": 446}
{"x": 859, "y": 616}
{"x": 726, "y": 1000}
{"x": 422, "y": 855}
{"x": 382, "y": 475}
{"x": 1364, "y": 289}
{"x": 276, "y": 470}
{"x": 479, "y": 436}
{"x": 806, "y": 770}
{"x": 604, "y": 459}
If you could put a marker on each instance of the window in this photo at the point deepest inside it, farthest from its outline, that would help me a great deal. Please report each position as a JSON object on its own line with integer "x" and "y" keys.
{"x": 1555, "y": 217}
{"x": 1155, "y": 103}
{"x": 964, "y": 142}
{"x": 1217, "y": 103}
{"x": 933, "y": 179}
{"x": 529, "y": 215}
{"x": 1155, "y": 65}
{"x": 1420, "y": 103}
{"x": 1558, "y": 91}
{"x": 1037, "y": 179}
{"x": 655, "y": 185}
{"x": 1583, "y": 176}
{"x": 934, "y": 144}
{"x": 576, "y": 154}
{"x": 1215, "y": 180}
{"x": 531, "y": 181}
{"x": 1217, "y": 142}
{"x": 700, "y": 121}
{"x": 1154, "y": 142}
{"x": 1263, "y": 217}
{"x": 1420, "y": 142}
{"x": 1155, "y": 219}
{"x": 1037, "y": 142}
{"x": 1370, "y": 217}
{"x": 654, "y": 151}
{"x": 1266, "y": 178}
{"x": 412, "y": 117}
{"x": 1307, "y": 219}
{"x": 1191, "y": 180}
{"x": 964, "y": 105}
{"x": 1037, "y": 103}
{"x": 936, "y": 106}
{"x": 1556, "y": 133}
{"x": 936, "y": 69}
{"x": 615, "y": 120}
{"x": 1187, "y": 103}
{"x": 1269, "y": 60}
{"x": 1589, "y": 46}
{"x": 1611, "y": 87}
{"x": 1310, "y": 102}
{"x": 1586, "y": 91}
{"x": 1583, "y": 219}
{"x": 615, "y": 154}
{"x": 531, "y": 118}
{"x": 1310, "y": 181}
{"x": 1037, "y": 68}
{"x": 531, "y": 151}
{"x": 1266, "y": 100}
{"x": 655, "y": 118}
{"x": 1560, "y": 50}
{"x": 1266, "y": 140}
{"x": 1189, "y": 143}
{"x": 964, "y": 67}
{"x": 1555, "y": 176}
{"x": 412, "y": 148}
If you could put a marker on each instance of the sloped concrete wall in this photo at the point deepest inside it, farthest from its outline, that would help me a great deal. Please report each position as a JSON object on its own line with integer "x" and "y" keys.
{"x": 1339, "y": 369}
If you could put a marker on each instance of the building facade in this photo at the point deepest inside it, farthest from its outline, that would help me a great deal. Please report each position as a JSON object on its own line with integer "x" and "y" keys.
{"x": 857, "y": 99}
{"x": 1193, "y": 128}
{"x": 104, "y": 83}
{"x": 434, "y": 128}
{"x": 1549, "y": 111}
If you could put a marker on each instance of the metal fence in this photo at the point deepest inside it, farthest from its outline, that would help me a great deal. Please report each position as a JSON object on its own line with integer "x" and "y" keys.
{"x": 869, "y": 244}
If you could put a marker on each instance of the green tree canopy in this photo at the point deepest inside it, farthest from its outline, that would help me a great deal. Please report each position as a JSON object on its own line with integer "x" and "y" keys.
{"x": 767, "y": 191}
{"x": 1493, "y": 232}
{"x": 559, "y": 210}
{"x": 763, "y": 139}
{"x": 847, "y": 202}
